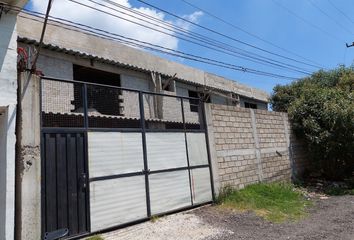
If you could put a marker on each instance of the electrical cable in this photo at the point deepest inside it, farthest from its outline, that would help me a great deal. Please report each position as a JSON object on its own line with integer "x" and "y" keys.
{"x": 327, "y": 15}
{"x": 247, "y": 32}
{"x": 137, "y": 43}
{"x": 224, "y": 35}
{"x": 308, "y": 22}
{"x": 342, "y": 12}
{"x": 200, "y": 39}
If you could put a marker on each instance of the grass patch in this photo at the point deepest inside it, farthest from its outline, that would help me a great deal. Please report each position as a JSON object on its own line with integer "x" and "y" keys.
{"x": 96, "y": 237}
{"x": 276, "y": 202}
{"x": 154, "y": 219}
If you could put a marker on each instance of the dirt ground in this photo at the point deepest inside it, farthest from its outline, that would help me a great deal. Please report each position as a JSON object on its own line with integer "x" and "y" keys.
{"x": 331, "y": 218}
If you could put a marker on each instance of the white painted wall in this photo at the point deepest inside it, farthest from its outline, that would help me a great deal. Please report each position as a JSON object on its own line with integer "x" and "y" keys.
{"x": 8, "y": 100}
{"x": 3, "y": 134}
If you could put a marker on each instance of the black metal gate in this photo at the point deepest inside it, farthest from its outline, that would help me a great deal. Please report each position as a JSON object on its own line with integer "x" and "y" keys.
{"x": 79, "y": 121}
{"x": 65, "y": 182}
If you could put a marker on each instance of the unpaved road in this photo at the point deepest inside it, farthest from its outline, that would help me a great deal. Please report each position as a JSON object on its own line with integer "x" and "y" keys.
{"x": 331, "y": 218}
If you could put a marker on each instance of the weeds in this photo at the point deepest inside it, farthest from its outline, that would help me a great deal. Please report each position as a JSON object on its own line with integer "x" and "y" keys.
{"x": 96, "y": 237}
{"x": 276, "y": 202}
{"x": 154, "y": 219}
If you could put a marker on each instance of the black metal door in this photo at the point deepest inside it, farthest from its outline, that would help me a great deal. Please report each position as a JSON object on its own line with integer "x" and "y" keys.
{"x": 65, "y": 190}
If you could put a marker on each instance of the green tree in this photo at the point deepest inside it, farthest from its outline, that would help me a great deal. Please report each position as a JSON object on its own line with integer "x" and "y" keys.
{"x": 321, "y": 109}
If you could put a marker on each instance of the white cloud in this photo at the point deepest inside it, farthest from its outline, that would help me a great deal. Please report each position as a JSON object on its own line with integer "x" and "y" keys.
{"x": 74, "y": 12}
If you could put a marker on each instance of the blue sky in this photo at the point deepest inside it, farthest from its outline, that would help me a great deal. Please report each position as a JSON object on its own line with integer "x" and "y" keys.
{"x": 263, "y": 18}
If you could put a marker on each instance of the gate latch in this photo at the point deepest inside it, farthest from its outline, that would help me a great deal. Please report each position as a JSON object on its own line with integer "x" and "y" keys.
{"x": 83, "y": 180}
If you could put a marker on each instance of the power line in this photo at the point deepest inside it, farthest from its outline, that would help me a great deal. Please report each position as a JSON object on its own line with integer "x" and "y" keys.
{"x": 307, "y": 22}
{"x": 88, "y": 30}
{"x": 340, "y": 11}
{"x": 224, "y": 35}
{"x": 327, "y": 15}
{"x": 202, "y": 38}
{"x": 247, "y": 32}
{"x": 42, "y": 34}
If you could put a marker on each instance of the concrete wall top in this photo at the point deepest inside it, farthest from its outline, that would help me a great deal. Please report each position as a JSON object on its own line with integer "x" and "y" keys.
{"x": 16, "y": 3}
{"x": 111, "y": 50}
{"x": 213, "y": 80}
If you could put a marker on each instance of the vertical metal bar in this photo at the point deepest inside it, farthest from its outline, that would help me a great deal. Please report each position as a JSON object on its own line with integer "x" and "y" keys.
{"x": 84, "y": 88}
{"x": 186, "y": 143}
{"x": 86, "y": 155}
{"x": 43, "y": 192}
{"x": 87, "y": 172}
{"x": 208, "y": 150}
{"x": 40, "y": 103}
{"x": 146, "y": 166}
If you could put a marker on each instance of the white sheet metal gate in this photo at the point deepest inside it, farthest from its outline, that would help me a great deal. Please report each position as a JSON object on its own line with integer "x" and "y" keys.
{"x": 146, "y": 154}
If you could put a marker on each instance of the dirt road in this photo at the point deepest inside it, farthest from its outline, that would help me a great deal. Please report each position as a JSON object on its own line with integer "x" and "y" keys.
{"x": 331, "y": 218}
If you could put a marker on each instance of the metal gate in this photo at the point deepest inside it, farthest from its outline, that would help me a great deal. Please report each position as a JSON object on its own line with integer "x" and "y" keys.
{"x": 141, "y": 153}
{"x": 65, "y": 188}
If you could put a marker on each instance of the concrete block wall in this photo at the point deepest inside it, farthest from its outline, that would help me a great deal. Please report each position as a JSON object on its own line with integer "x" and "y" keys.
{"x": 131, "y": 99}
{"x": 251, "y": 146}
{"x": 58, "y": 96}
{"x": 298, "y": 152}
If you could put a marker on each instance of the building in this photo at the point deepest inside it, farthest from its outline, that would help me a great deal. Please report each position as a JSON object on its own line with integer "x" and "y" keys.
{"x": 8, "y": 104}
{"x": 108, "y": 135}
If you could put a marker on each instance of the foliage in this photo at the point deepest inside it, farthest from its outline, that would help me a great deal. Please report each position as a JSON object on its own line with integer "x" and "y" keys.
{"x": 338, "y": 191}
{"x": 321, "y": 109}
{"x": 276, "y": 202}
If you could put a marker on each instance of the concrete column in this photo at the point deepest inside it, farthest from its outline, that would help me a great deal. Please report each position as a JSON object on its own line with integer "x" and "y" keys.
{"x": 28, "y": 165}
{"x": 212, "y": 150}
{"x": 258, "y": 149}
{"x": 288, "y": 144}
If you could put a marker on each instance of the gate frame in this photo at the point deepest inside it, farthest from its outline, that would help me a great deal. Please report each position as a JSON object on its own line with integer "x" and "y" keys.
{"x": 146, "y": 172}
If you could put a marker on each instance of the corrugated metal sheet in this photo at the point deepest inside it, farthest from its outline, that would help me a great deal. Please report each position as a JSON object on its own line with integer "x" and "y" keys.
{"x": 117, "y": 201}
{"x": 201, "y": 187}
{"x": 210, "y": 83}
{"x": 169, "y": 191}
{"x": 166, "y": 150}
{"x": 113, "y": 153}
{"x": 197, "y": 151}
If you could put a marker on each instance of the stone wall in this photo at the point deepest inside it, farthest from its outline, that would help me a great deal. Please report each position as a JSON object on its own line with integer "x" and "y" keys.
{"x": 251, "y": 146}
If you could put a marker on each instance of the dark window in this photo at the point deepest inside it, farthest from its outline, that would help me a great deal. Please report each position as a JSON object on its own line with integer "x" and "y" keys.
{"x": 101, "y": 99}
{"x": 193, "y": 103}
{"x": 168, "y": 85}
{"x": 205, "y": 97}
{"x": 250, "y": 105}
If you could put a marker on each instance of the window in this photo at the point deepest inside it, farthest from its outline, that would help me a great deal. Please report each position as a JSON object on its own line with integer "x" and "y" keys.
{"x": 193, "y": 103}
{"x": 250, "y": 105}
{"x": 99, "y": 99}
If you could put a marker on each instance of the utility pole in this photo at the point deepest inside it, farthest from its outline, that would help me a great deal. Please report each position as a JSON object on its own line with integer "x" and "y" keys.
{"x": 50, "y": 2}
{"x": 351, "y": 45}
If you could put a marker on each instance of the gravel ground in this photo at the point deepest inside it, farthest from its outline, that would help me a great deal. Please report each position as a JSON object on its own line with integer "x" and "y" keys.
{"x": 331, "y": 218}
{"x": 177, "y": 226}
